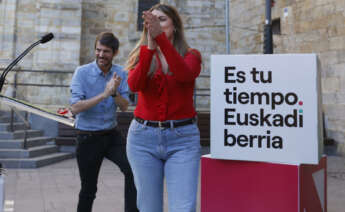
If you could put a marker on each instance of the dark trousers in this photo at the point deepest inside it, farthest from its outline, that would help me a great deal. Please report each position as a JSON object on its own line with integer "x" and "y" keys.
{"x": 91, "y": 150}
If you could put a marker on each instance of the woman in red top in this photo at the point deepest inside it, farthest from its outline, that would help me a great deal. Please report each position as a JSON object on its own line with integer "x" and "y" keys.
{"x": 163, "y": 138}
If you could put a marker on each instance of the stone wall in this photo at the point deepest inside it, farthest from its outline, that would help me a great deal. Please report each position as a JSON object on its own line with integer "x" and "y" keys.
{"x": 307, "y": 26}
{"x": 8, "y": 10}
{"x": 99, "y": 16}
{"x": 30, "y": 20}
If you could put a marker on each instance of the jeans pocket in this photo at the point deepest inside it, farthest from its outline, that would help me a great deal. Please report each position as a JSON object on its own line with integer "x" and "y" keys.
{"x": 188, "y": 130}
{"x": 82, "y": 141}
{"x": 83, "y": 138}
{"x": 136, "y": 128}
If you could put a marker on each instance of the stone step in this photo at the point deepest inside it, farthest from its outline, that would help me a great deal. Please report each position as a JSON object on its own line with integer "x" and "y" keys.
{"x": 20, "y": 134}
{"x": 16, "y": 126}
{"x": 36, "y": 161}
{"x": 39, "y": 151}
{"x": 19, "y": 143}
{"x": 28, "y": 153}
{"x": 7, "y": 119}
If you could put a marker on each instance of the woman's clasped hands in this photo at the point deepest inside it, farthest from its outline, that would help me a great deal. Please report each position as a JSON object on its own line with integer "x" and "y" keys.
{"x": 152, "y": 24}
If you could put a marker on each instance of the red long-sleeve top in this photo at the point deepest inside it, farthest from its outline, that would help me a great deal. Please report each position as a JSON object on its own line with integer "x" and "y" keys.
{"x": 162, "y": 96}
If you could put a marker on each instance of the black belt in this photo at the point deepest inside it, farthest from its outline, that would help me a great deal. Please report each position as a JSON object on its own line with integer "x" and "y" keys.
{"x": 98, "y": 132}
{"x": 165, "y": 124}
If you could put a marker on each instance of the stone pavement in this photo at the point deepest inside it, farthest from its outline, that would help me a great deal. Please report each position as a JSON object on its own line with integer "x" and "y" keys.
{"x": 55, "y": 188}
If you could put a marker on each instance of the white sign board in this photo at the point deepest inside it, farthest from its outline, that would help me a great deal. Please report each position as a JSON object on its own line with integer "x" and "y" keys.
{"x": 266, "y": 108}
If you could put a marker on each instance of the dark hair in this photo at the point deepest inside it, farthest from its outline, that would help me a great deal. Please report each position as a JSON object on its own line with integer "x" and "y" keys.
{"x": 108, "y": 39}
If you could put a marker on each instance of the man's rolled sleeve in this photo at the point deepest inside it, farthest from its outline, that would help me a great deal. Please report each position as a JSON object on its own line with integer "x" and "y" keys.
{"x": 76, "y": 90}
{"x": 123, "y": 88}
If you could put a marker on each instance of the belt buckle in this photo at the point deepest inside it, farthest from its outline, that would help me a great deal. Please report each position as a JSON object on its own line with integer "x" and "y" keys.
{"x": 160, "y": 125}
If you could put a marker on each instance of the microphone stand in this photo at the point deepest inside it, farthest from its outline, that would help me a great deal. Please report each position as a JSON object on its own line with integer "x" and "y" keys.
{"x": 44, "y": 39}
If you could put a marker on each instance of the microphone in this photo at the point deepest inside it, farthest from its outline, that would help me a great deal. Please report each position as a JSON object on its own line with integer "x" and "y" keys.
{"x": 46, "y": 38}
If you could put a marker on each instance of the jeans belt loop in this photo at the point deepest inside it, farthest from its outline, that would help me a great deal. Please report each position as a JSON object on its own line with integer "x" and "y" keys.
{"x": 160, "y": 125}
{"x": 171, "y": 124}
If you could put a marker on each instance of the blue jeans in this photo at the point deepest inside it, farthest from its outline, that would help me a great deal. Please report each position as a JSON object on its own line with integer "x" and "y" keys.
{"x": 173, "y": 153}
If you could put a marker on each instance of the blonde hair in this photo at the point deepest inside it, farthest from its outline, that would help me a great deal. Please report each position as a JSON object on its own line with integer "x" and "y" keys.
{"x": 179, "y": 41}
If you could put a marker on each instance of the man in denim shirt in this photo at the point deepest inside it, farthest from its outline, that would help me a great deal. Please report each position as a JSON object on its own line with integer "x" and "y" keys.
{"x": 97, "y": 89}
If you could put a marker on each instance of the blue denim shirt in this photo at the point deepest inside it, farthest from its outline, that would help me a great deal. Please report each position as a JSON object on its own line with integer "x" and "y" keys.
{"x": 89, "y": 81}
